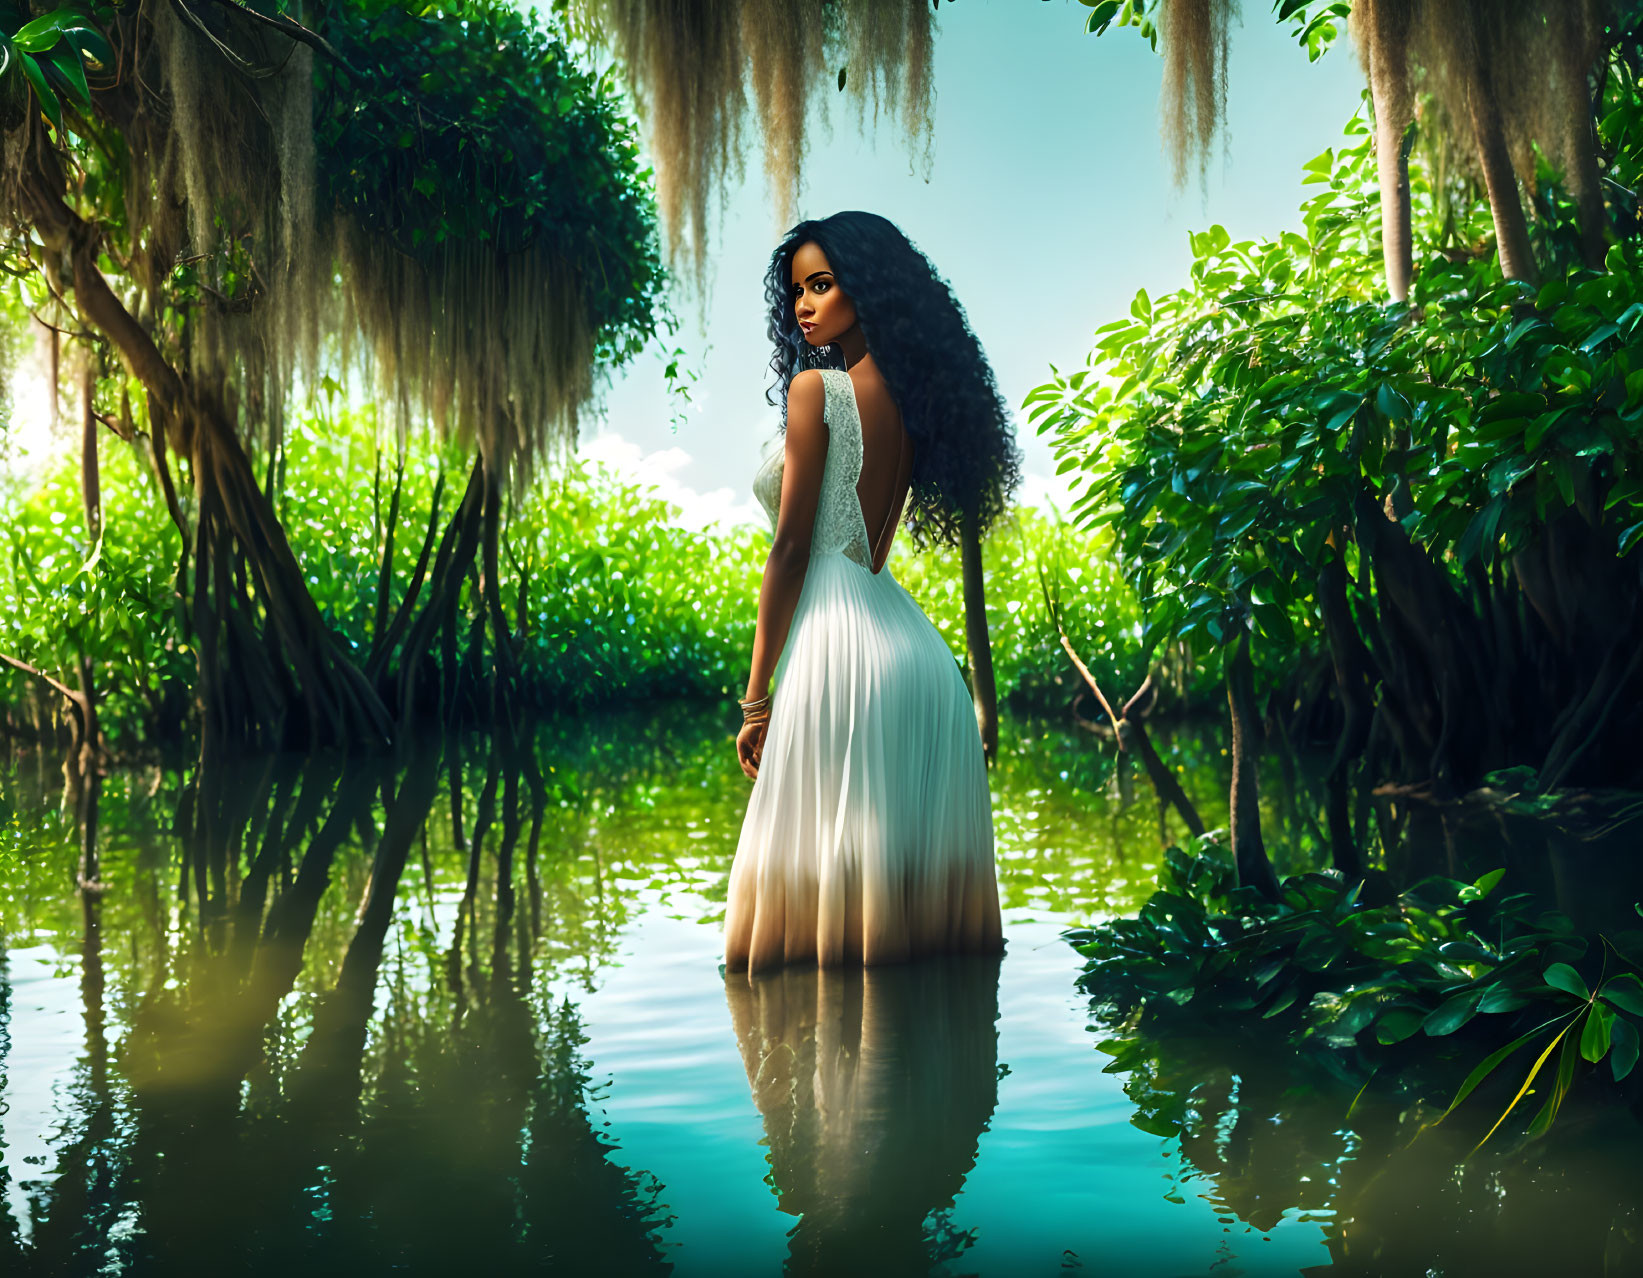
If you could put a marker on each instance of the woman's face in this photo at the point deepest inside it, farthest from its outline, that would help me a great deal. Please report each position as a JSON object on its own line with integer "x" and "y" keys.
{"x": 820, "y": 306}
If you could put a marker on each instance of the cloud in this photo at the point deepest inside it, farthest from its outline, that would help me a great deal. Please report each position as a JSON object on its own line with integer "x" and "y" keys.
{"x": 723, "y": 507}
{"x": 660, "y": 469}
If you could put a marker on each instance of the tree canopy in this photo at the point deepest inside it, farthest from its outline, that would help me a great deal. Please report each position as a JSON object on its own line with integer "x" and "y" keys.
{"x": 239, "y": 205}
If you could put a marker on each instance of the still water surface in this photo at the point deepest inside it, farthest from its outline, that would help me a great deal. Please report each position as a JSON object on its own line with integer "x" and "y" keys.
{"x": 302, "y": 1027}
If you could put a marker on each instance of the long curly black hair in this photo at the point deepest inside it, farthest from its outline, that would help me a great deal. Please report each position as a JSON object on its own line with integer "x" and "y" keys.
{"x": 966, "y": 456}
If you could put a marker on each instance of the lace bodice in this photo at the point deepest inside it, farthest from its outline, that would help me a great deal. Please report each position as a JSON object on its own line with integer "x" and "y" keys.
{"x": 839, "y": 527}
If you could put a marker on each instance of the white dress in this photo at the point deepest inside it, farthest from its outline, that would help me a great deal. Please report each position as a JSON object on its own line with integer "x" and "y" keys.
{"x": 868, "y": 836}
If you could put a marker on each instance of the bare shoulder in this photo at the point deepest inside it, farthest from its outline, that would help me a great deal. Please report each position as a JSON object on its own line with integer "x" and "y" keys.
{"x": 806, "y": 386}
{"x": 806, "y": 400}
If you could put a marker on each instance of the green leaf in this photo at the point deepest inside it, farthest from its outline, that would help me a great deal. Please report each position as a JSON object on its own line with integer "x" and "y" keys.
{"x": 1560, "y": 1088}
{"x": 1522, "y": 1091}
{"x": 1623, "y": 1047}
{"x": 1282, "y": 1001}
{"x": 1102, "y": 12}
{"x": 1480, "y": 534}
{"x": 1487, "y": 1066}
{"x": 1320, "y": 164}
{"x": 42, "y": 33}
{"x": 91, "y": 45}
{"x": 1398, "y": 1024}
{"x": 1560, "y": 976}
{"x": 1390, "y": 403}
{"x": 1594, "y": 1039}
{"x": 37, "y": 82}
{"x": 1601, "y": 334}
{"x": 1625, "y": 992}
{"x": 1155, "y": 1125}
{"x": 1465, "y": 951}
{"x": 1273, "y": 623}
{"x": 1502, "y": 998}
{"x": 66, "y": 61}
{"x": 1450, "y": 1015}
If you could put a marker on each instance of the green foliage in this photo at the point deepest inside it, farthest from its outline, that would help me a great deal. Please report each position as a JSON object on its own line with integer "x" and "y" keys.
{"x": 1236, "y": 426}
{"x": 620, "y": 602}
{"x": 1195, "y": 426}
{"x": 113, "y": 600}
{"x": 50, "y": 54}
{"x": 1098, "y": 608}
{"x": 468, "y": 123}
{"x": 1368, "y": 985}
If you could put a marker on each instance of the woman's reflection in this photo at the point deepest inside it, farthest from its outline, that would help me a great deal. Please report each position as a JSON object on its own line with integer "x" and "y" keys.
{"x": 874, "y": 1085}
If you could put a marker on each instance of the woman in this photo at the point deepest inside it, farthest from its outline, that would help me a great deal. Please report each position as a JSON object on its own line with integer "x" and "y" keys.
{"x": 868, "y": 836}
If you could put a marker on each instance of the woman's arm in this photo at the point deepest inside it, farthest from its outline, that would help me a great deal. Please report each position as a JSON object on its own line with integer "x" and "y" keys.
{"x": 805, "y": 457}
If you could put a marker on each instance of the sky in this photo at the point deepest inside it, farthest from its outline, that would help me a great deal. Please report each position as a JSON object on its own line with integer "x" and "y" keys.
{"x": 1048, "y": 205}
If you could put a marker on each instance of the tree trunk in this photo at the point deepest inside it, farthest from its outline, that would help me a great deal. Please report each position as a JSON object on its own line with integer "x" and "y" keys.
{"x": 1355, "y": 681}
{"x": 1580, "y": 45}
{"x": 1511, "y": 228}
{"x": 90, "y": 482}
{"x": 237, "y": 524}
{"x": 982, "y": 687}
{"x": 1132, "y": 736}
{"x": 1392, "y": 160}
{"x": 91, "y": 495}
{"x": 1386, "y": 42}
{"x": 1586, "y": 186}
{"x": 1248, "y": 849}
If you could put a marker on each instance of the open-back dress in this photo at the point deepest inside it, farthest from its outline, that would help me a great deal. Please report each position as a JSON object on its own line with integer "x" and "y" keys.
{"x": 868, "y": 836}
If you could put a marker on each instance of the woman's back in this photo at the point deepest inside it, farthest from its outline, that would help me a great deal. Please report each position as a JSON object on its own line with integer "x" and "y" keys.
{"x": 859, "y": 499}
{"x": 887, "y": 459}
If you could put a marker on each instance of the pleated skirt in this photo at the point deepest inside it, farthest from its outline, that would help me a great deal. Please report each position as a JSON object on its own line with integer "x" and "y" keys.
{"x": 868, "y": 836}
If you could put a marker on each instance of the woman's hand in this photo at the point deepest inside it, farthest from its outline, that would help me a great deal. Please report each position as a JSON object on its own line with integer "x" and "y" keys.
{"x": 750, "y": 746}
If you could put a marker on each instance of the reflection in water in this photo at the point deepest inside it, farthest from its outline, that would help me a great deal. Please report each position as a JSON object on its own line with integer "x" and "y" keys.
{"x": 290, "y": 1091}
{"x": 1260, "y": 1136}
{"x": 874, "y": 1085}
{"x": 296, "y": 1021}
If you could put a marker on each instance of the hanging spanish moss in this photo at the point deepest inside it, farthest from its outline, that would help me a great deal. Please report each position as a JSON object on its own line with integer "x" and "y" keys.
{"x": 1379, "y": 30}
{"x": 685, "y": 64}
{"x": 1531, "y": 55}
{"x": 284, "y": 216}
{"x": 784, "y": 45}
{"x": 1194, "y": 92}
{"x": 1496, "y": 78}
{"x": 491, "y": 343}
{"x": 244, "y": 228}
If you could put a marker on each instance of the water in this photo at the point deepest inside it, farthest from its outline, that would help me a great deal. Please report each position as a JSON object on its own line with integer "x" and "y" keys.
{"x": 278, "y": 1040}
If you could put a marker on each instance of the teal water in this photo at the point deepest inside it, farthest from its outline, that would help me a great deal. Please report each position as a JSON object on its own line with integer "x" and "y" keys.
{"x": 301, "y": 1027}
